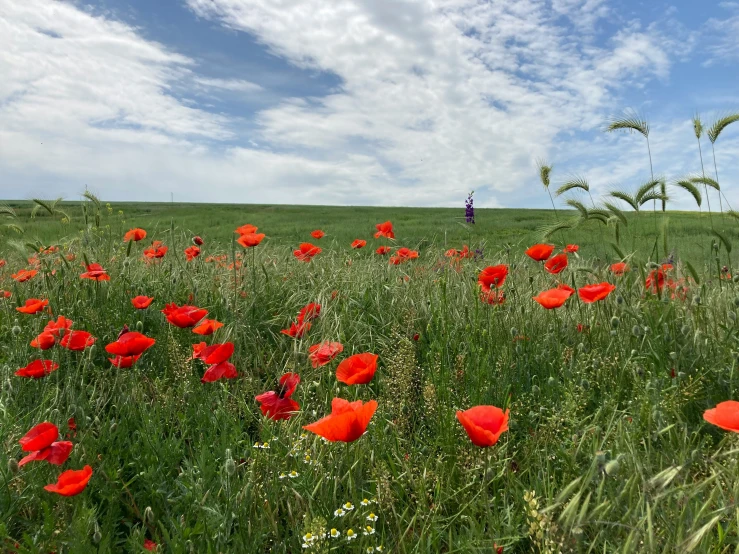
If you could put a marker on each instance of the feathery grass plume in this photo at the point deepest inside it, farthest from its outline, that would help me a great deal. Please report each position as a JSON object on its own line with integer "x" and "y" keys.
{"x": 9, "y": 213}
{"x": 546, "y": 231}
{"x": 698, "y": 131}
{"x": 545, "y": 171}
{"x": 688, "y": 186}
{"x": 706, "y": 181}
{"x": 49, "y": 206}
{"x": 626, "y": 197}
{"x": 617, "y": 212}
{"x": 697, "y": 126}
{"x": 572, "y": 184}
{"x": 631, "y": 121}
{"x": 579, "y": 206}
{"x": 714, "y": 131}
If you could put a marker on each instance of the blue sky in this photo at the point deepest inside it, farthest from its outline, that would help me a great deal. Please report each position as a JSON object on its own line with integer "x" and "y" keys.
{"x": 380, "y": 102}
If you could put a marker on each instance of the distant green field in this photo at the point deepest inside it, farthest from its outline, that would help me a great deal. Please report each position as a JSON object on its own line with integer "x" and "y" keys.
{"x": 689, "y": 233}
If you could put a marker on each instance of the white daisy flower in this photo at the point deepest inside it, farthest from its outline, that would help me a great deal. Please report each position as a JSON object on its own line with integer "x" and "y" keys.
{"x": 333, "y": 534}
{"x": 369, "y": 530}
{"x": 351, "y": 535}
{"x": 339, "y": 513}
{"x": 372, "y": 517}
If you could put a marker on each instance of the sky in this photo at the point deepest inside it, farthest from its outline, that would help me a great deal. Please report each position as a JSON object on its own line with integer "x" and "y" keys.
{"x": 360, "y": 102}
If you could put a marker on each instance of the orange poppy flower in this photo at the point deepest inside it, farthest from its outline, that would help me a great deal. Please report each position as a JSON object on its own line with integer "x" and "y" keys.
{"x": 278, "y": 405}
{"x": 593, "y": 293}
{"x": 221, "y": 370}
{"x": 306, "y": 252}
{"x": 56, "y": 453}
{"x": 323, "y": 353}
{"x": 71, "y": 482}
{"x": 396, "y": 260}
{"x": 492, "y": 276}
{"x": 39, "y": 437}
{"x": 198, "y": 240}
{"x": 655, "y": 280}
{"x": 33, "y": 306}
{"x": 183, "y": 316}
{"x": 407, "y": 253}
{"x": 207, "y": 327}
{"x": 95, "y": 272}
{"x": 619, "y": 268}
{"x": 384, "y": 230}
{"x": 216, "y": 353}
{"x": 309, "y": 312}
{"x": 382, "y": 250}
{"x": 572, "y": 248}
{"x": 492, "y": 297}
{"x": 725, "y": 415}
{"x": 2, "y": 263}
{"x": 37, "y": 369}
{"x": 553, "y": 298}
{"x": 249, "y": 240}
{"x": 484, "y": 424}
{"x": 131, "y": 343}
{"x": 191, "y": 252}
{"x": 540, "y": 252}
{"x": 348, "y": 420}
{"x": 556, "y": 264}
{"x": 142, "y": 302}
{"x": 359, "y": 243}
{"x": 156, "y": 250}
{"x": 358, "y": 369}
{"x": 246, "y": 230}
{"x": 24, "y": 275}
{"x": 135, "y": 235}
{"x": 317, "y": 234}
{"x": 77, "y": 340}
{"x": 124, "y": 362}
{"x": 44, "y": 341}
{"x": 297, "y": 331}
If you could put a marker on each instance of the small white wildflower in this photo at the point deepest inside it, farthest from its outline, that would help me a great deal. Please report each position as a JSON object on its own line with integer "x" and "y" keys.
{"x": 380, "y": 548}
{"x": 334, "y": 534}
{"x": 365, "y": 502}
{"x": 282, "y": 475}
{"x": 372, "y": 517}
{"x": 350, "y": 535}
{"x": 348, "y": 506}
{"x": 369, "y": 530}
{"x": 293, "y": 474}
{"x": 339, "y": 513}
{"x": 309, "y": 538}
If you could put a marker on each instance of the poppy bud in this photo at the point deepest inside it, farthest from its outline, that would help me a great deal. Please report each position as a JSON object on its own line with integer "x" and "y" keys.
{"x": 637, "y": 331}
{"x": 13, "y": 465}
{"x": 148, "y": 515}
{"x": 680, "y": 374}
{"x": 697, "y": 300}
{"x": 585, "y": 384}
{"x": 551, "y": 381}
{"x": 535, "y": 390}
{"x": 127, "y": 261}
{"x": 615, "y": 322}
{"x": 97, "y": 536}
{"x": 600, "y": 457}
{"x": 695, "y": 454}
{"x": 619, "y": 299}
{"x": 514, "y": 331}
{"x": 16, "y": 330}
{"x": 113, "y": 427}
{"x": 612, "y": 467}
{"x": 139, "y": 326}
{"x": 230, "y": 466}
{"x": 91, "y": 350}
{"x": 735, "y": 278}
{"x": 673, "y": 355}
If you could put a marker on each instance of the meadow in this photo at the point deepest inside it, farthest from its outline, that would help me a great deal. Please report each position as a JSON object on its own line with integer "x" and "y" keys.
{"x": 599, "y": 440}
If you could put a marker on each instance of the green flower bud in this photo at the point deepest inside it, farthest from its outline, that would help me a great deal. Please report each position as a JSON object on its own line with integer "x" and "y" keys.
{"x": 612, "y": 467}
{"x": 13, "y": 465}
{"x": 535, "y": 390}
{"x": 637, "y": 331}
{"x": 15, "y": 330}
{"x": 697, "y": 300}
{"x": 615, "y": 322}
{"x": 149, "y": 515}
{"x": 140, "y": 326}
{"x": 97, "y": 536}
{"x": 551, "y": 382}
{"x": 585, "y": 384}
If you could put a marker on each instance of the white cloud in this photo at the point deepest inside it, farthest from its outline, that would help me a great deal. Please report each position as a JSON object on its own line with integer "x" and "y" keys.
{"x": 436, "y": 97}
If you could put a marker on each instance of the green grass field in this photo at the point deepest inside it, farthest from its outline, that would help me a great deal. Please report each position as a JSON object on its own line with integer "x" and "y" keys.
{"x": 607, "y": 449}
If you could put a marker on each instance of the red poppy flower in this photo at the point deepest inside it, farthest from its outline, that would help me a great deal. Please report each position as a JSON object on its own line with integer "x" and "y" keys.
{"x": 572, "y": 248}
{"x": 348, "y": 420}
{"x": 553, "y": 298}
{"x": 382, "y": 250}
{"x": 297, "y": 330}
{"x": 71, "y": 482}
{"x": 33, "y": 306}
{"x": 197, "y": 240}
{"x": 309, "y": 312}
{"x": 396, "y": 260}
{"x": 39, "y": 437}
{"x": 582, "y": 328}
{"x": 619, "y": 268}
{"x": 56, "y": 453}
{"x": 655, "y": 280}
{"x": 306, "y": 252}
{"x": 667, "y": 267}
{"x": 249, "y": 240}
{"x": 221, "y": 370}
{"x": 358, "y": 369}
{"x": 406, "y": 253}
{"x": 384, "y": 230}
{"x": 317, "y": 234}
{"x": 556, "y": 264}
{"x": 135, "y": 235}
{"x": 246, "y": 230}
{"x": 492, "y": 297}
{"x": 156, "y": 250}
{"x": 24, "y": 275}
{"x": 593, "y": 293}
{"x": 215, "y": 353}
{"x": 492, "y": 276}
{"x": 183, "y": 316}
{"x": 540, "y": 252}
{"x": 323, "y": 353}
{"x": 142, "y": 302}
{"x": 44, "y": 341}
{"x": 278, "y": 405}
{"x": 150, "y": 545}
{"x": 2, "y": 263}
{"x": 95, "y": 272}
{"x": 37, "y": 369}
{"x": 359, "y": 243}
{"x": 191, "y": 252}
{"x": 124, "y": 362}
{"x": 77, "y": 340}
{"x": 5, "y": 294}
{"x": 197, "y": 349}
{"x": 725, "y": 415}
{"x": 59, "y": 327}
{"x": 131, "y": 343}
{"x": 207, "y": 327}
{"x": 484, "y": 424}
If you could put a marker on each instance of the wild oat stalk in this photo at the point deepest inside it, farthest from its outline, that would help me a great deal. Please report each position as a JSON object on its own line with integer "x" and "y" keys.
{"x": 698, "y": 131}
{"x": 714, "y": 131}
{"x": 545, "y": 171}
